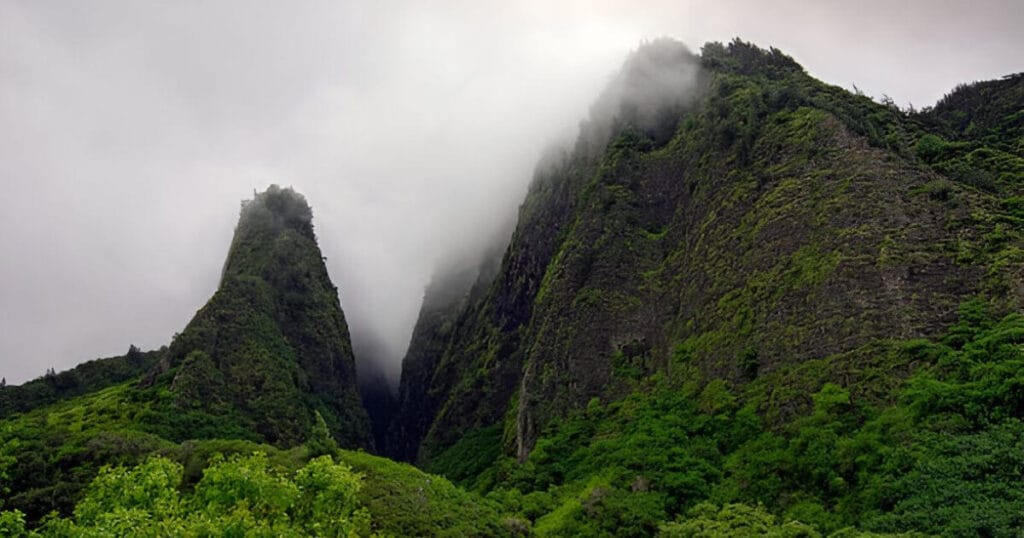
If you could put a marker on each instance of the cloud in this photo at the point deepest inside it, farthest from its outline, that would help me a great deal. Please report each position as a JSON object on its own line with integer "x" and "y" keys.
{"x": 131, "y": 130}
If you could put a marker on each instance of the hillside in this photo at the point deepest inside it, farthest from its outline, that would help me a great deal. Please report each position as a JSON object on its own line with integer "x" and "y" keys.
{"x": 271, "y": 346}
{"x": 87, "y": 377}
{"x": 743, "y": 303}
{"x": 785, "y": 241}
{"x": 199, "y": 487}
{"x": 266, "y": 354}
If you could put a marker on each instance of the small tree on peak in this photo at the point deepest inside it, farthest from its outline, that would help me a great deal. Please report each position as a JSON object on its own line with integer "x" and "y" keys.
{"x": 321, "y": 442}
{"x": 134, "y": 355}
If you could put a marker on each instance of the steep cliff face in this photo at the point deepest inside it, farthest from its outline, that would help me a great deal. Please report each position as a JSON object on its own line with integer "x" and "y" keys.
{"x": 465, "y": 359}
{"x": 271, "y": 346}
{"x": 424, "y": 384}
{"x": 756, "y": 219}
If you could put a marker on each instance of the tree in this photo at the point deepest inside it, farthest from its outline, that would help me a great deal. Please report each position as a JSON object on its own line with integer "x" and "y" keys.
{"x": 328, "y": 505}
{"x": 709, "y": 521}
{"x": 320, "y": 442}
{"x": 134, "y": 355}
{"x": 237, "y": 496}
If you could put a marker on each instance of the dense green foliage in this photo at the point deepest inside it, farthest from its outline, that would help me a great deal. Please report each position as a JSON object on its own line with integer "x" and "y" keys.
{"x": 404, "y": 501}
{"x": 86, "y": 377}
{"x": 266, "y": 360}
{"x": 781, "y": 310}
{"x": 942, "y": 455}
{"x": 271, "y": 347}
{"x": 987, "y": 113}
{"x": 784, "y": 221}
{"x": 55, "y": 451}
{"x": 237, "y": 496}
{"x": 90, "y": 430}
{"x": 753, "y": 313}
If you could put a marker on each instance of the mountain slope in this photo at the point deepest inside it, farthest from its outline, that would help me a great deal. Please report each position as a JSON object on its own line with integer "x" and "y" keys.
{"x": 744, "y": 301}
{"x": 444, "y": 299}
{"x": 49, "y": 457}
{"x": 267, "y": 354}
{"x": 780, "y": 221}
{"x": 87, "y": 377}
{"x": 271, "y": 346}
{"x": 987, "y": 111}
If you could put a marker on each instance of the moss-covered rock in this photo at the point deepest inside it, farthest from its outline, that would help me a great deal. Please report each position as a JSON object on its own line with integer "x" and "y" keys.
{"x": 784, "y": 220}
{"x": 271, "y": 348}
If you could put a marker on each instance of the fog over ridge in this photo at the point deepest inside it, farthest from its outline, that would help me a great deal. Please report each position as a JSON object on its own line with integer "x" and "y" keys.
{"x": 130, "y": 131}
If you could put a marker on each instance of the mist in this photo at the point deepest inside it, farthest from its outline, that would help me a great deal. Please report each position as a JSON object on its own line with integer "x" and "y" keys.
{"x": 130, "y": 131}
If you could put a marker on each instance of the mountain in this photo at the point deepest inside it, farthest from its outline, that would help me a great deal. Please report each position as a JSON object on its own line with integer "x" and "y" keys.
{"x": 267, "y": 355}
{"x": 232, "y": 429}
{"x": 784, "y": 220}
{"x": 445, "y": 297}
{"x": 744, "y": 302}
{"x": 741, "y": 247}
{"x": 271, "y": 347}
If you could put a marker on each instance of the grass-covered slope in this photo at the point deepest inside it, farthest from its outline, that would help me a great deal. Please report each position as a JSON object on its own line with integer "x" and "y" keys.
{"x": 87, "y": 458}
{"x": 48, "y": 455}
{"x": 404, "y": 501}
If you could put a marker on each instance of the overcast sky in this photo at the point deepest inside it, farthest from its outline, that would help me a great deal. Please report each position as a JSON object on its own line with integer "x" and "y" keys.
{"x": 130, "y": 131}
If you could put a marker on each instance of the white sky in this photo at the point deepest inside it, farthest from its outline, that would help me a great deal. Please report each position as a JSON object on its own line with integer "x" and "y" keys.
{"x": 130, "y": 131}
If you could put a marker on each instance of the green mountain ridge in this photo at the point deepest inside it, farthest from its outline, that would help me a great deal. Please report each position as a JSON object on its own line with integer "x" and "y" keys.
{"x": 87, "y": 377}
{"x": 266, "y": 355}
{"x": 789, "y": 237}
{"x": 271, "y": 346}
{"x": 744, "y": 303}
{"x": 786, "y": 220}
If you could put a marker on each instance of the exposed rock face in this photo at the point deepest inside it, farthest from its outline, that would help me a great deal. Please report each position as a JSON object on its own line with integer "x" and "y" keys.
{"x": 762, "y": 220}
{"x": 271, "y": 346}
{"x": 419, "y": 394}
